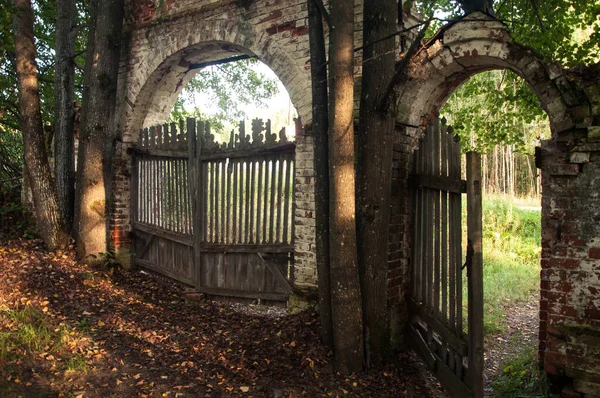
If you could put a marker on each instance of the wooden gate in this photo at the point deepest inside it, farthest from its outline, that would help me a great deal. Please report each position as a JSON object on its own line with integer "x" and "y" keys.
{"x": 212, "y": 215}
{"x": 438, "y": 321}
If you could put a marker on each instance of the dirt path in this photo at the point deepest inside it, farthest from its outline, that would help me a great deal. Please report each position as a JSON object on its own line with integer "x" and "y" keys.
{"x": 522, "y": 321}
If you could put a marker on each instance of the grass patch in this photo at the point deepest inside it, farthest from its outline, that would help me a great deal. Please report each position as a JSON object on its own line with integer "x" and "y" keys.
{"x": 521, "y": 377}
{"x": 29, "y": 330}
{"x": 511, "y": 258}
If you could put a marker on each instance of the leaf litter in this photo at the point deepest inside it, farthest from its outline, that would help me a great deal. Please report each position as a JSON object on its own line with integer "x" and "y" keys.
{"x": 71, "y": 330}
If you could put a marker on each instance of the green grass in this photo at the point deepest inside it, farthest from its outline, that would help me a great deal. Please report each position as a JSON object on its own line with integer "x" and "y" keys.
{"x": 511, "y": 258}
{"x": 521, "y": 377}
{"x": 30, "y": 331}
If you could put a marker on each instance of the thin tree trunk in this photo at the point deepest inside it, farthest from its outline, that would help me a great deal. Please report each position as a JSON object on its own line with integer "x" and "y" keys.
{"x": 318, "y": 65}
{"x": 97, "y": 137}
{"x": 64, "y": 150}
{"x": 47, "y": 212}
{"x": 345, "y": 285}
{"x": 376, "y": 126}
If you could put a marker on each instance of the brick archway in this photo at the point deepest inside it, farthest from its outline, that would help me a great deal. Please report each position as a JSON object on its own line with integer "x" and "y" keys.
{"x": 569, "y": 161}
{"x": 160, "y": 66}
{"x": 473, "y": 45}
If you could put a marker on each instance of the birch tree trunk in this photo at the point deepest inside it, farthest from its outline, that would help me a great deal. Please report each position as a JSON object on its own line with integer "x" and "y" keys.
{"x": 45, "y": 206}
{"x": 345, "y": 285}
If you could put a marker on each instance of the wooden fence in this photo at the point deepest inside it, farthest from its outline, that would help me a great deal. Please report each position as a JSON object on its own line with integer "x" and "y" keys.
{"x": 218, "y": 216}
{"x": 436, "y": 297}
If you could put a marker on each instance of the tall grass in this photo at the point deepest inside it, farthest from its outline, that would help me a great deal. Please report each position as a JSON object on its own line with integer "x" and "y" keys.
{"x": 511, "y": 257}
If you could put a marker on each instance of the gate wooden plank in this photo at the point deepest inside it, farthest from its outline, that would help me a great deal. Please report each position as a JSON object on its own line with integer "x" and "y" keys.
{"x": 247, "y": 203}
{"x": 475, "y": 273}
{"x": 276, "y": 272}
{"x": 436, "y": 216}
{"x": 435, "y": 325}
{"x": 259, "y": 187}
{"x": 287, "y": 193}
{"x": 272, "y": 202}
{"x": 252, "y": 234}
{"x": 419, "y": 343}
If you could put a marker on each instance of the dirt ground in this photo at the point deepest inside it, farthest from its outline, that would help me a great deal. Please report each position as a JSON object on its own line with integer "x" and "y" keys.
{"x": 131, "y": 334}
{"x": 522, "y": 326}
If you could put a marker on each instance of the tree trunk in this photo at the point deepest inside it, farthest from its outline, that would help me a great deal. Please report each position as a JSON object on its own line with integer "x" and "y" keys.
{"x": 345, "y": 291}
{"x": 376, "y": 126}
{"x": 97, "y": 137}
{"x": 47, "y": 213}
{"x": 318, "y": 65}
{"x": 64, "y": 108}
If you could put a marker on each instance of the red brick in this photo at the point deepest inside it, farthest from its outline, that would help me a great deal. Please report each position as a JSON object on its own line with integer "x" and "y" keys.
{"x": 594, "y": 253}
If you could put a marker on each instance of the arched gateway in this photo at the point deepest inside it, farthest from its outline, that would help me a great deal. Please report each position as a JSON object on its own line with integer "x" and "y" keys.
{"x": 163, "y": 39}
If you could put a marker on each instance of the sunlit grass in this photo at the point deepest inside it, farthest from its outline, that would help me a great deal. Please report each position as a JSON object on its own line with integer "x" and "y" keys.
{"x": 511, "y": 258}
{"x": 521, "y": 377}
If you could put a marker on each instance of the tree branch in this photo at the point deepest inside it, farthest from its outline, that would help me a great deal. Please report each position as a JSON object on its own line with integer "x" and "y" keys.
{"x": 402, "y": 65}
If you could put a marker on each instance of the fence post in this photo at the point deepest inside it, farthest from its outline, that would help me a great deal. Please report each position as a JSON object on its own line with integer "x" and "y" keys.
{"x": 475, "y": 273}
{"x": 193, "y": 172}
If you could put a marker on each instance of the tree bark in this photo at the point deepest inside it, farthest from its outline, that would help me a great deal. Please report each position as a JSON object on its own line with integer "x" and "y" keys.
{"x": 97, "y": 136}
{"x": 376, "y": 126}
{"x": 47, "y": 212}
{"x": 318, "y": 70}
{"x": 64, "y": 109}
{"x": 345, "y": 285}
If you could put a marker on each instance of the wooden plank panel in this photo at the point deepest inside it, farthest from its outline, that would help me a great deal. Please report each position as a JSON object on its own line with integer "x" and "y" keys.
{"x": 475, "y": 273}
{"x": 247, "y": 203}
{"x": 437, "y": 226}
{"x": 265, "y": 229}
{"x": 252, "y": 232}
{"x": 288, "y": 193}
{"x": 272, "y": 201}
{"x": 280, "y": 200}
{"x": 259, "y": 199}
{"x": 234, "y": 220}
{"x": 223, "y": 212}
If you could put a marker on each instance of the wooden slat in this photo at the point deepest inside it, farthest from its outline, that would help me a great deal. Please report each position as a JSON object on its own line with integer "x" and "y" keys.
{"x": 446, "y": 334}
{"x": 223, "y": 213}
{"x": 241, "y": 248}
{"x": 419, "y": 343}
{"x": 259, "y": 188}
{"x": 288, "y": 193}
{"x": 475, "y": 273}
{"x": 279, "y": 277}
{"x": 252, "y": 232}
{"x": 163, "y": 233}
{"x": 234, "y": 219}
{"x": 451, "y": 382}
{"x": 288, "y": 147}
{"x": 160, "y": 270}
{"x": 441, "y": 183}
{"x": 247, "y": 203}
{"x": 280, "y": 200}
{"x": 437, "y": 226}
{"x": 265, "y": 233}
{"x": 272, "y": 201}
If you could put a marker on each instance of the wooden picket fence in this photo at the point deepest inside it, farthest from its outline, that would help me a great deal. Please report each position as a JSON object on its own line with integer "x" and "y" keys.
{"x": 437, "y": 272}
{"x": 217, "y": 216}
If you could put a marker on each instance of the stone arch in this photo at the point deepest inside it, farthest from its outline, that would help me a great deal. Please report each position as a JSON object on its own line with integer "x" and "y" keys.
{"x": 159, "y": 66}
{"x": 475, "y": 44}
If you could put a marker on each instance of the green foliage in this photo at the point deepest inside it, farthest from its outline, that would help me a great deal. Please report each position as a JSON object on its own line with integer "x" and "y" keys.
{"x": 521, "y": 377}
{"x": 496, "y": 107}
{"x": 231, "y": 87}
{"x": 563, "y": 30}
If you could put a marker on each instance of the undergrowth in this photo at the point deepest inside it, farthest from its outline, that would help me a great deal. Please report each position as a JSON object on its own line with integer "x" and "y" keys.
{"x": 521, "y": 377}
